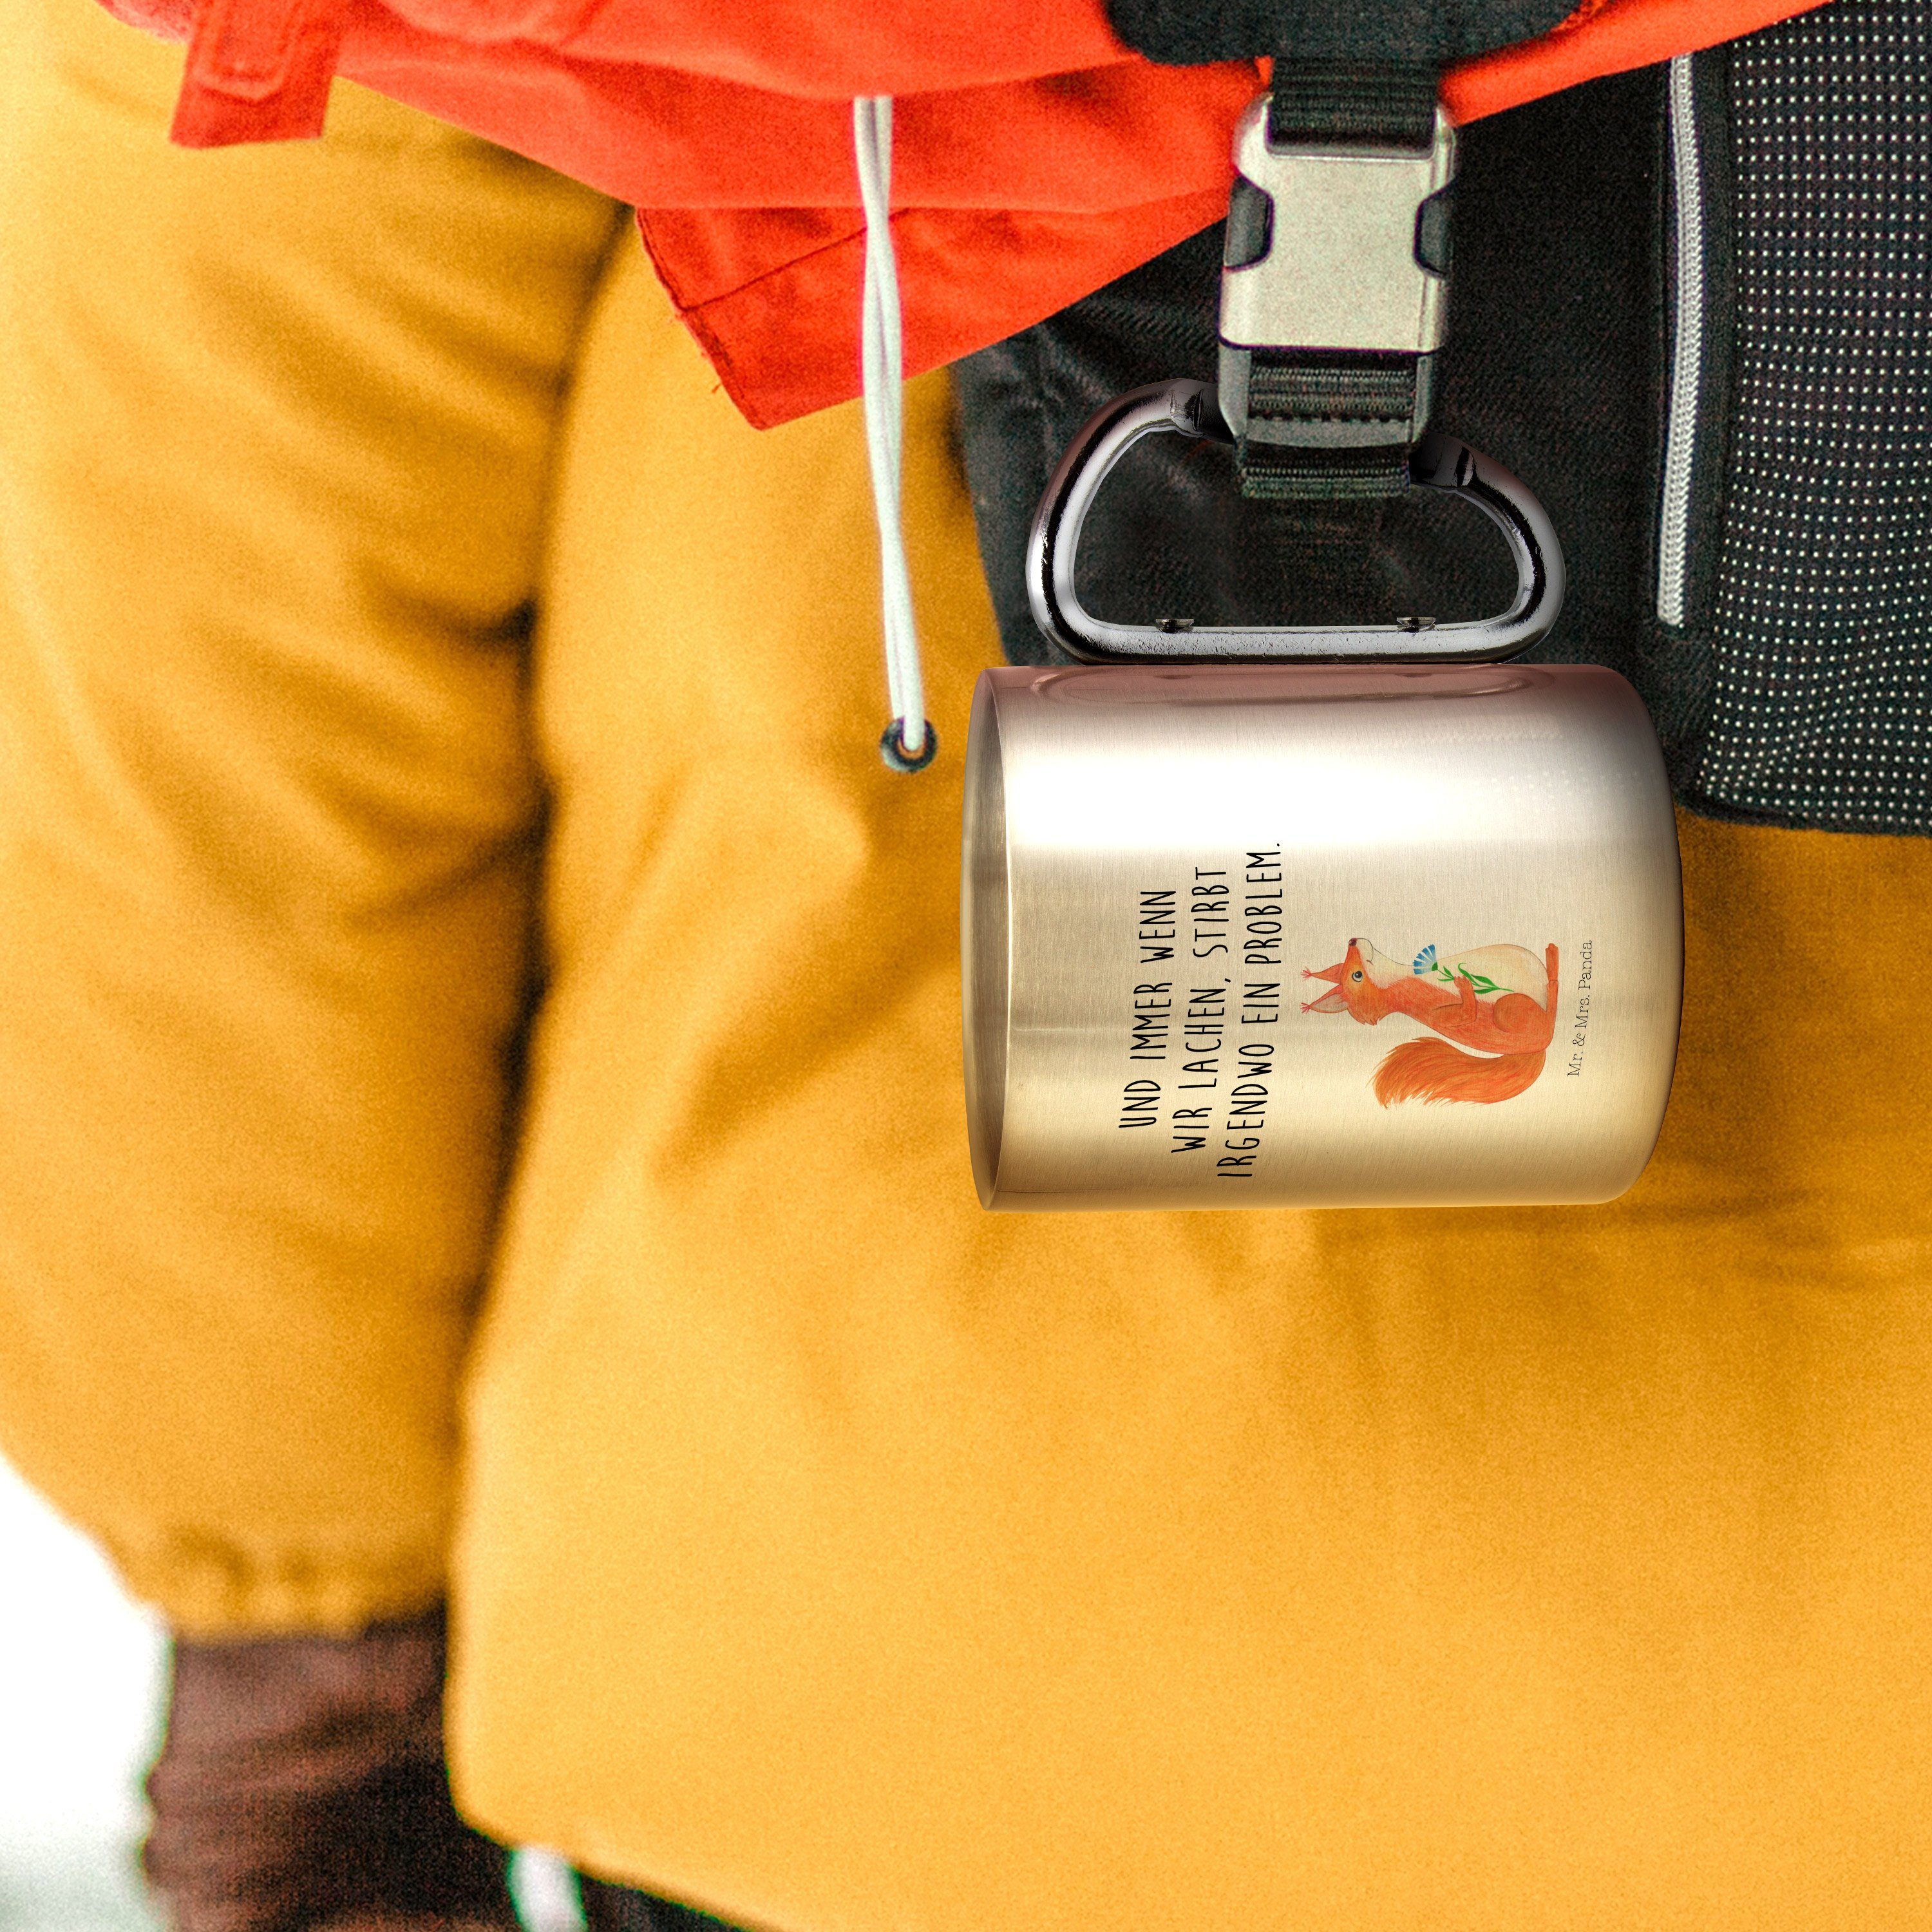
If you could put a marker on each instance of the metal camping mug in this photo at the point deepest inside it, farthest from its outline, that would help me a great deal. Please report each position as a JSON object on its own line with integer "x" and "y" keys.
{"x": 1402, "y": 930}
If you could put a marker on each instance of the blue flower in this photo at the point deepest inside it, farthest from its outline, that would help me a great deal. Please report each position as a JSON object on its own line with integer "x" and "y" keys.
{"x": 1425, "y": 960}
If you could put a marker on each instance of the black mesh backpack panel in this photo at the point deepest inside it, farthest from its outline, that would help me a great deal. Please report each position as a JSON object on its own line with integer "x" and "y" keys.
{"x": 1822, "y": 625}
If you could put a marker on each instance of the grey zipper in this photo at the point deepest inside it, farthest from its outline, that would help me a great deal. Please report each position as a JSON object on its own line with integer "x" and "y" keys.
{"x": 1687, "y": 352}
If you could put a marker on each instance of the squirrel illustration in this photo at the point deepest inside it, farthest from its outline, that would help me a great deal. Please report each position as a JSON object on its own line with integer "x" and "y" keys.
{"x": 1498, "y": 1000}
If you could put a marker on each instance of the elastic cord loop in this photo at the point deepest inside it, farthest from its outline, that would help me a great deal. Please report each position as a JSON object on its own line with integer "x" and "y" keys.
{"x": 882, "y": 367}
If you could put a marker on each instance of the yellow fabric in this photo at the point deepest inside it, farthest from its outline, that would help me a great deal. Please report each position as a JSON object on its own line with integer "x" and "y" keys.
{"x": 843, "y": 1557}
{"x": 275, "y": 434}
{"x": 832, "y": 1553}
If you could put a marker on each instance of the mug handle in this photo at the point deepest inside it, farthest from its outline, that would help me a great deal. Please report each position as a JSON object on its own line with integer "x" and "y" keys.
{"x": 1190, "y": 409}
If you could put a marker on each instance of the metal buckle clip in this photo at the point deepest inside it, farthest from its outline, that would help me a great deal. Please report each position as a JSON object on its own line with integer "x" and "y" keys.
{"x": 1332, "y": 248}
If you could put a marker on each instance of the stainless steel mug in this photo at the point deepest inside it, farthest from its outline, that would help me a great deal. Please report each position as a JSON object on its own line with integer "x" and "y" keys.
{"x": 1316, "y": 934}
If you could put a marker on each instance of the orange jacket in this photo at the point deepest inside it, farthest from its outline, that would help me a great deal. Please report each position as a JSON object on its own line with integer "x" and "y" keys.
{"x": 1036, "y": 157}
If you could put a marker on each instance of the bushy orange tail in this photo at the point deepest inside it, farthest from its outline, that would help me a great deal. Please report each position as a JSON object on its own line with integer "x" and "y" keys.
{"x": 1432, "y": 1069}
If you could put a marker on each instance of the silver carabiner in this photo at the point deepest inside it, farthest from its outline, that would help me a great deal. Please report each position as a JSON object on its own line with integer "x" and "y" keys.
{"x": 1189, "y": 408}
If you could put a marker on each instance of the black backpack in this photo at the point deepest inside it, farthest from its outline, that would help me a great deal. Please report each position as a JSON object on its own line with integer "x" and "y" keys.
{"x": 1691, "y": 307}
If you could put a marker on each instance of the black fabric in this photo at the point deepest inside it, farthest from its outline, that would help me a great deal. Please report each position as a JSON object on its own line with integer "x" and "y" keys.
{"x": 1549, "y": 367}
{"x": 1819, "y": 634}
{"x": 1306, "y": 391}
{"x": 1382, "y": 103}
{"x": 1283, "y": 473}
{"x": 1376, "y": 388}
{"x": 1551, "y": 363}
{"x": 1187, "y": 32}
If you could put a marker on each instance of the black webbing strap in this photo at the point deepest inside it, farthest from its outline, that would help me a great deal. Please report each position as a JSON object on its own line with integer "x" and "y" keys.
{"x": 1312, "y": 387}
{"x": 1352, "y": 103}
{"x": 1296, "y": 392}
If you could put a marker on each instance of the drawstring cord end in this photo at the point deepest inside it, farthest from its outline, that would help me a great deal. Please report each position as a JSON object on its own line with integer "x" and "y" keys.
{"x": 893, "y": 749}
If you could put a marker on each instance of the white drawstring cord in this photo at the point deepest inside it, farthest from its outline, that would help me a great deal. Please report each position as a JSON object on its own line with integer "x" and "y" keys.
{"x": 909, "y": 742}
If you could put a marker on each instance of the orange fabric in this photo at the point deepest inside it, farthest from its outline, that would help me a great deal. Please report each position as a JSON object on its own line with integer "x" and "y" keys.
{"x": 786, "y": 344}
{"x": 1036, "y": 159}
